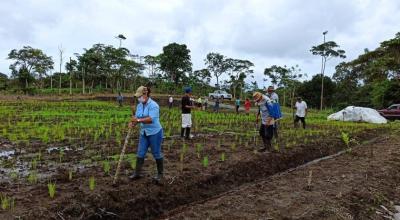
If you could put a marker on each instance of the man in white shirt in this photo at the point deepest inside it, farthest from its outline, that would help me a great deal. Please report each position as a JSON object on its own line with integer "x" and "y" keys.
{"x": 301, "y": 112}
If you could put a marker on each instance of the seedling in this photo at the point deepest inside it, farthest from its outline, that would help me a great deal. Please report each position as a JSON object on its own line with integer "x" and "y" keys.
{"x": 222, "y": 157}
{"x": 70, "y": 173}
{"x": 34, "y": 164}
{"x": 14, "y": 175}
{"x": 345, "y": 138}
{"x": 7, "y": 202}
{"x": 106, "y": 167}
{"x": 32, "y": 177}
{"x": 52, "y": 189}
{"x": 61, "y": 155}
{"x": 205, "y": 161}
{"x": 92, "y": 183}
{"x": 199, "y": 147}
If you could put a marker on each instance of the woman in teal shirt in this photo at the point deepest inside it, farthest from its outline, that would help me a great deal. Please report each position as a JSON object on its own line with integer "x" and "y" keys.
{"x": 151, "y": 133}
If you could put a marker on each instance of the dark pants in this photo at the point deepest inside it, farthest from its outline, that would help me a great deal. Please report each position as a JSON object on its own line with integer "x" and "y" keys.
{"x": 276, "y": 126}
{"x": 169, "y": 104}
{"x": 237, "y": 109}
{"x": 302, "y": 119}
{"x": 266, "y": 133}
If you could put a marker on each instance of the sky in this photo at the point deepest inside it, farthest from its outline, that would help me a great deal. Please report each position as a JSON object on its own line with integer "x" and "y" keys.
{"x": 265, "y": 32}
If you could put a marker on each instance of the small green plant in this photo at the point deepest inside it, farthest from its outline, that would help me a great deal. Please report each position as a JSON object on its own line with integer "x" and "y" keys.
{"x": 92, "y": 183}
{"x": 106, "y": 167}
{"x": 233, "y": 146}
{"x": 32, "y": 177}
{"x": 345, "y": 138}
{"x": 205, "y": 161}
{"x": 34, "y": 164}
{"x": 39, "y": 156}
{"x": 52, "y": 189}
{"x": 14, "y": 175}
{"x": 61, "y": 155}
{"x": 184, "y": 148}
{"x": 7, "y": 202}
{"x": 199, "y": 147}
{"x": 132, "y": 161}
{"x": 70, "y": 173}
{"x": 222, "y": 157}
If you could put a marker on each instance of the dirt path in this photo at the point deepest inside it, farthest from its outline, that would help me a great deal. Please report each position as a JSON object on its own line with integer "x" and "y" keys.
{"x": 351, "y": 186}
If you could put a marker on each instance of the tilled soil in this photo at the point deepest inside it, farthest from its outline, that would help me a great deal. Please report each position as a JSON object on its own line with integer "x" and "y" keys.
{"x": 359, "y": 184}
{"x": 185, "y": 183}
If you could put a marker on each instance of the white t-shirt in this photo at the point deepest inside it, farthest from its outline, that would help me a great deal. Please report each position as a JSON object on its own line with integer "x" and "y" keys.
{"x": 274, "y": 97}
{"x": 301, "y": 108}
{"x": 171, "y": 99}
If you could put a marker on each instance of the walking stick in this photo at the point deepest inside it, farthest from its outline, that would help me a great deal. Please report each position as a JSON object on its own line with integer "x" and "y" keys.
{"x": 121, "y": 156}
{"x": 255, "y": 132}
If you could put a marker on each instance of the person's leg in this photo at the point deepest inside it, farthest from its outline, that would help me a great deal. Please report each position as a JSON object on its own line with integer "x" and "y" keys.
{"x": 141, "y": 153}
{"x": 188, "y": 125}
{"x": 269, "y": 133}
{"x": 263, "y": 138}
{"x": 275, "y": 128}
{"x": 156, "y": 149}
{"x": 296, "y": 120}
{"x": 303, "y": 121}
{"x": 183, "y": 126}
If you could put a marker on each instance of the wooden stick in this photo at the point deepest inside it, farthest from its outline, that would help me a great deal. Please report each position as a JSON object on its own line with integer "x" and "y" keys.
{"x": 121, "y": 156}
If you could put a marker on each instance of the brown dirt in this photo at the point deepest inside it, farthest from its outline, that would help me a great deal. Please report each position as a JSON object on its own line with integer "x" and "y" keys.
{"x": 351, "y": 186}
{"x": 184, "y": 183}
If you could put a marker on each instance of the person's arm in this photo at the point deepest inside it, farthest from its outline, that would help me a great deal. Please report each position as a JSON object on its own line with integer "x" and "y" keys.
{"x": 154, "y": 112}
{"x": 305, "y": 110}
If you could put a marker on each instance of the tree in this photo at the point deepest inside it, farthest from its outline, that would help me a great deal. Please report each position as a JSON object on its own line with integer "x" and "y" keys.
{"x": 216, "y": 64}
{"x": 175, "y": 61}
{"x": 284, "y": 78}
{"x": 72, "y": 68}
{"x": 239, "y": 70}
{"x": 29, "y": 63}
{"x": 308, "y": 90}
{"x": 327, "y": 50}
{"x": 153, "y": 65}
{"x": 3, "y": 81}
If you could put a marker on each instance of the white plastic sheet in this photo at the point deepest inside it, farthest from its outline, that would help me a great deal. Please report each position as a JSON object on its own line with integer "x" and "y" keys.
{"x": 358, "y": 114}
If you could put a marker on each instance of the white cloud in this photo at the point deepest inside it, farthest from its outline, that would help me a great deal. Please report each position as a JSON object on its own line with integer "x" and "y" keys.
{"x": 264, "y": 32}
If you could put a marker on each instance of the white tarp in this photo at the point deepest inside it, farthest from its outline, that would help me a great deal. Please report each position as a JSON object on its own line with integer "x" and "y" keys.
{"x": 352, "y": 113}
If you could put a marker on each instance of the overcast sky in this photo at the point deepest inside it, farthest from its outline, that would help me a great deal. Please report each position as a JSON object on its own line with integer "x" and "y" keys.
{"x": 264, "y": 32}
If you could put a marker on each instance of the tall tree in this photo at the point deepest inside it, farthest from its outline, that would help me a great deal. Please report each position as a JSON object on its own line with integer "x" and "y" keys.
{"x": 327, "y": 50}
{"x": 285, "y": 78}
{"x": 239, "y": 70}
{"x": 216, "y": 64}
{"x": 3, "y": 81}
{"x": 175, "y": 61}
{"x": 72, "y": 68}
{"x": 29, "y": 63}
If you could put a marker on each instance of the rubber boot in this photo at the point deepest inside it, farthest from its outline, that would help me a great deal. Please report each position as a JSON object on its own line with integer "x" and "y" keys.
{"x": 264, "y": 146}
{"x": 268, "y": 145}
{"x": 182, "y": 132}
{"x": 160, "y": 170}
{"x": 187, "y": 135}
{"x": 138, "y": 171}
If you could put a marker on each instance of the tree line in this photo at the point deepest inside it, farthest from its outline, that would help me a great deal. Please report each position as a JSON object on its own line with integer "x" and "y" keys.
{"x": 371, "y": 80}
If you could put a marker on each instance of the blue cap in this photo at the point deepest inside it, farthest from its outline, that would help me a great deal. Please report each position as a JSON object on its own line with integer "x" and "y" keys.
{"x": 188, "y": 89}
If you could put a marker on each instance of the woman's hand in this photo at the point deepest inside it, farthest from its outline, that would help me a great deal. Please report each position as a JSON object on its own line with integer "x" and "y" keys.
{"x": 133, "y": 122}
